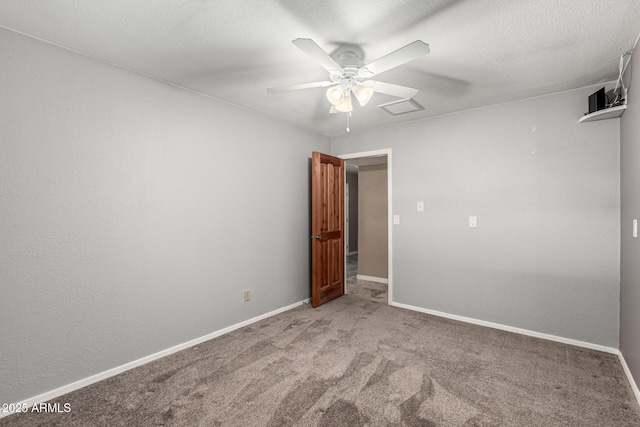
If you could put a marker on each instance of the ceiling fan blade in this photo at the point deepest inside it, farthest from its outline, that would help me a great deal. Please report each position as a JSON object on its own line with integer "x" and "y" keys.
{"x": 316, "y": 53}
{"x": 394, "y": 90}
{"x": 401, "y": 56}
{"x": 300, "y": 86}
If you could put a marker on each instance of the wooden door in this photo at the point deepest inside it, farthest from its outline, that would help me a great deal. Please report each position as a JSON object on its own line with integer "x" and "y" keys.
{"x": 327, "y": 222}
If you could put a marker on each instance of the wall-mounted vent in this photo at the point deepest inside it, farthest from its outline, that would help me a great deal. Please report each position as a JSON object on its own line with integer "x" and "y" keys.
{"x": 403, "y": 106}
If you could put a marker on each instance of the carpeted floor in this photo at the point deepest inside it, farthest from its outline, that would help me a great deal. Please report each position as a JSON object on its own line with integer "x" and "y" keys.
{"x": 352, "y": 265}
{"x": 354, "y": 362}
{"x": 368, "y": 290}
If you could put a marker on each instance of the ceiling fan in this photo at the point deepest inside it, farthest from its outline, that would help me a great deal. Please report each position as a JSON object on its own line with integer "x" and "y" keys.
{"x": 349, "y": 76}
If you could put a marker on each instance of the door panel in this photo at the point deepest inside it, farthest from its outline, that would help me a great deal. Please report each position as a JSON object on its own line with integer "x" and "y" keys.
{"x": 327, "y": 219}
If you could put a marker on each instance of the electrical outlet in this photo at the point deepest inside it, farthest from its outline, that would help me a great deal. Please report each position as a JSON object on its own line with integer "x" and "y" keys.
{"x": 420, "y": 206}
{"x": 247, "y": 294}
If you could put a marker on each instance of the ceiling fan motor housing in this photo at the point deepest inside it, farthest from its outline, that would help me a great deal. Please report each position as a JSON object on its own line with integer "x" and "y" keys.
{"x": 350, "y": 64}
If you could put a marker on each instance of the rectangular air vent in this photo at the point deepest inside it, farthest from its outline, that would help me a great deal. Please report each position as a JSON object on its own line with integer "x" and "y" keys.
{"x": 403, "y": 106}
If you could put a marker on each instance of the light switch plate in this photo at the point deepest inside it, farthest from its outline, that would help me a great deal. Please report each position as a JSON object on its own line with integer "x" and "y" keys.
{"x": 420, "y": 206}
{"x": 635, "y": 228}
{"x": 396, "y": 219}
{"x": 473, "y": 221}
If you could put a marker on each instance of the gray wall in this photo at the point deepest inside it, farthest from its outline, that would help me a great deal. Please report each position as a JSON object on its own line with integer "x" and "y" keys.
{"x": 545, "y": 189}
{"x": 352, "y": 180}
{"x": 129, "y": 213}
{"x": 372, "y": 221}
{"x": 630, "y": 210}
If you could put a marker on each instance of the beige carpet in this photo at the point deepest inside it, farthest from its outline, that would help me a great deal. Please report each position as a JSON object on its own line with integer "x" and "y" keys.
{"x": 354, "y": 362}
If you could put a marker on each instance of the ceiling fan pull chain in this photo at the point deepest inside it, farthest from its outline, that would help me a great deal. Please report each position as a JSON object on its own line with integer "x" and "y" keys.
{"x": 348, "y": 117}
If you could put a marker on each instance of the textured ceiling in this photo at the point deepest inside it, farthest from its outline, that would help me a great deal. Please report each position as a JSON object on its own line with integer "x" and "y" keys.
{"x": 482, "y": 51}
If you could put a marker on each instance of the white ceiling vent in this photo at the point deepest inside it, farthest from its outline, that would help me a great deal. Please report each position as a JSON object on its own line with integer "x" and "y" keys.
{"x": 403, "y": 106}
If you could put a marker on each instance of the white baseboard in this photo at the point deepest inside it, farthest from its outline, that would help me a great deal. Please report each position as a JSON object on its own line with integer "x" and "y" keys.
{"x": 352, "y": 253}
{"x": 510, "y": 328}
{"x": 372, "y": 279}
{"x": 127, "y": 366}
{"x": 634, "y": 386}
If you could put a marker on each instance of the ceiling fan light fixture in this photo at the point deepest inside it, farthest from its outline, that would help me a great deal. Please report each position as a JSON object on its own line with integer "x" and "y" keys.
{"x": 363, "y": 94}
{"x": 336, "y": 95}
{"x": 345, "y": 106}
{"x": 348, "y": 75}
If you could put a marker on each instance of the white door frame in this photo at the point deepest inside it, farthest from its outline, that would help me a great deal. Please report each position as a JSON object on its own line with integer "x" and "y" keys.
{"x": 377, "y": 153}
{"x": 346, "y": 217}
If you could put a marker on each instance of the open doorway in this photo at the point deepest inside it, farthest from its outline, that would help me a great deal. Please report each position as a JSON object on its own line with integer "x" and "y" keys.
{"x": 368, "y": 272}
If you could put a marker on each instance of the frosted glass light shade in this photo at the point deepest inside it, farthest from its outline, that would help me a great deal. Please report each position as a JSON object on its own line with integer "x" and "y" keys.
{"x": 363, "y": 94}
{"x": 345, "y": 106}
{"x": 335, "y": 94}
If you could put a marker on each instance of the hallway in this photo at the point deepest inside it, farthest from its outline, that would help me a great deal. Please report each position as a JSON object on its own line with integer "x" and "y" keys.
{"x": 363, "y": 288}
